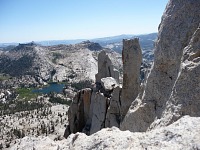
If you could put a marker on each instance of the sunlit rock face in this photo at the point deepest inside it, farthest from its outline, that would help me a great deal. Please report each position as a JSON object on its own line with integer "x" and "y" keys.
{"x": 172, "y": 85}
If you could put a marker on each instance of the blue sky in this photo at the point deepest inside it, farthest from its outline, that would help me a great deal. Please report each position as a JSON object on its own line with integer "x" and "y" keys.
{"x": 36, "y": 20}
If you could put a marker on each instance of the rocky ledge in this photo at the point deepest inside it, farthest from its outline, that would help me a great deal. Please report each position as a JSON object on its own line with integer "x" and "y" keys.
{"x": 182, "y": 134}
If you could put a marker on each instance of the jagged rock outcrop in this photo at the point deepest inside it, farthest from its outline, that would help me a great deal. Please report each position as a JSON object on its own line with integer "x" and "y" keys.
{"x": 88, "y": 111}
{"x": 132, "y": 59}
{"x": 109, "y": 102}
{"x": 172, "y": 86}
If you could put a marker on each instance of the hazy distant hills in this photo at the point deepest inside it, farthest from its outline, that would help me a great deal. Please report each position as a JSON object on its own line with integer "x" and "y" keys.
{"x": 145, "y": 39}
{"x": 113, "y": 42}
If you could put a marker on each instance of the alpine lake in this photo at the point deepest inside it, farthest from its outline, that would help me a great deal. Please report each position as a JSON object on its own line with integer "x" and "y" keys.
{"x": 51, "y": 87}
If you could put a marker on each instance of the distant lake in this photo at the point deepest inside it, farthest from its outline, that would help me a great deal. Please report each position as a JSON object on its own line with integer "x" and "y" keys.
{"x": 52, "y": 87}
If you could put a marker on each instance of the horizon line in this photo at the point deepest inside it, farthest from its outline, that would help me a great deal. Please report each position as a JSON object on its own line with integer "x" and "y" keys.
{"x": 74, "y": 39}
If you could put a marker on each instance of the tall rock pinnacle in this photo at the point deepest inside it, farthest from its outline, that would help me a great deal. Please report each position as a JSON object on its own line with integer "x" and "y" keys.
{"x": 132, "y": 59}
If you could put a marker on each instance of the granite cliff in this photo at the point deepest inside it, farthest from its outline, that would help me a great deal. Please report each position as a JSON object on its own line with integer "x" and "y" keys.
{"x": 172, "y": 85}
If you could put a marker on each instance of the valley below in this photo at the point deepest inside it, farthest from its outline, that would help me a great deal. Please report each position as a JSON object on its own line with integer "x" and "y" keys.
{"x": 38, "y": 84}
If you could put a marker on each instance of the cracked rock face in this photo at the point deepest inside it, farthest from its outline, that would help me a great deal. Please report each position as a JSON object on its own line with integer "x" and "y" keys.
{"x": 78, "y": 112}
{"x": 98, "y": 110}
{"x": 184, "y": 99}
{"x": 172, "y": 86}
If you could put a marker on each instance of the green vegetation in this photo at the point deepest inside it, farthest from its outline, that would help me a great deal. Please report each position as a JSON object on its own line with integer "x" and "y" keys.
{"x": 51, "y": 82}
{"x": 82, "y": 84}
{"x": 26, "y": 93}
{"x": 23, "y": 102}
{"x": 17, "y": 67}
{"x": 18, "y": 133}
{"x": 27, "y": 100}
{"x": 59, "y": 100}
{"x": 16, "y": 106}
{"x": 4, "y": 77}
{"x": 56, "y": 56}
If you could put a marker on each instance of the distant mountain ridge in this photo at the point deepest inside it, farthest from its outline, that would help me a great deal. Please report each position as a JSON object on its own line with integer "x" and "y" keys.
{"x": 112, "y": 42}
{"x": 102, "y": 41}
{"x": 115, "y": 43}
